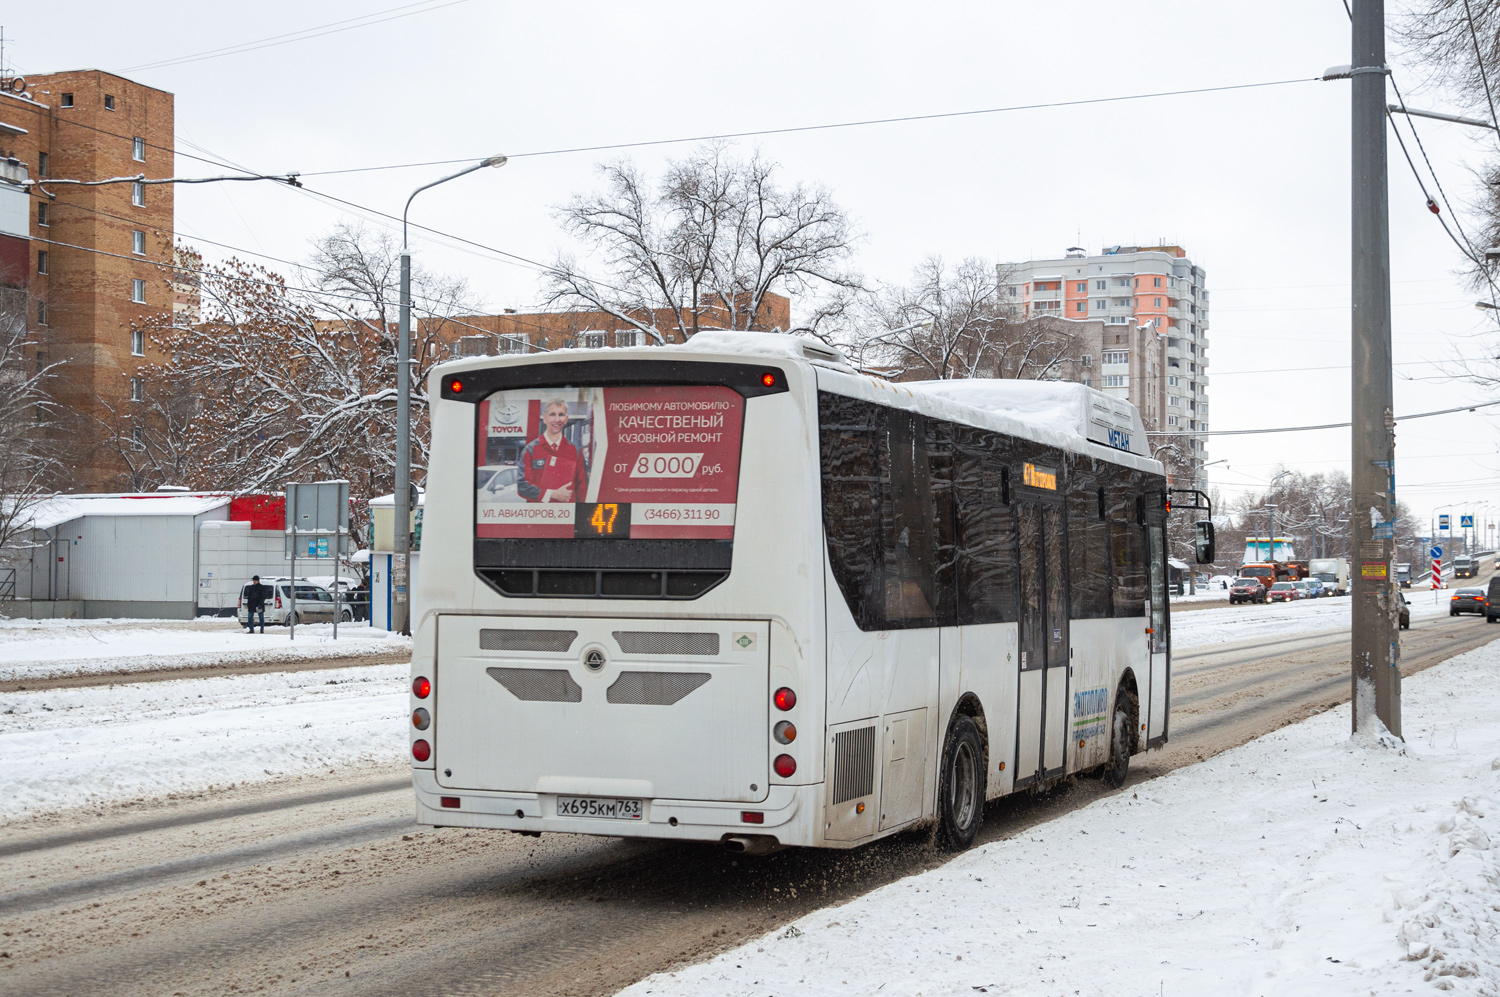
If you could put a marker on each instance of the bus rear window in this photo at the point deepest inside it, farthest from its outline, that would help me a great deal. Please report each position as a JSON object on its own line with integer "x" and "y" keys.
{"x": 620, "y": 463}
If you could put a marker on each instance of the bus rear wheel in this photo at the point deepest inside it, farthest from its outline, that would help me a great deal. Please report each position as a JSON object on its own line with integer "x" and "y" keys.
{"x": 961, "y": 789}
{"x": 1122, "y": 738}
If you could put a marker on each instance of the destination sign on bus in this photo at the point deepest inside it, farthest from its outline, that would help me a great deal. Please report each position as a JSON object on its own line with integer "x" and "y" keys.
{"x": 1040, "y": 477}
{"x": 609, "y": 463}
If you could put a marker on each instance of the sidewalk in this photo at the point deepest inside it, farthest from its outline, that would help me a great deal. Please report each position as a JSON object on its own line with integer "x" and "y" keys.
{"x": 1305, "y": 862}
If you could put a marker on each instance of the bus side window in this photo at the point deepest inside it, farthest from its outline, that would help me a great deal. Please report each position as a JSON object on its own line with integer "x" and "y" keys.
{"x": 851, "y": 502}
{"x": 984, "y": 530}
{"x": 906, "y": 523}
{"x": 1126, "y": 542}
{"x": 1088, "y": 547}
{"x": 944, "y": 552}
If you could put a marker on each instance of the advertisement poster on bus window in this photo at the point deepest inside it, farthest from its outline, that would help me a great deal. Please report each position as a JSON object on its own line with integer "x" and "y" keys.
{"x": 609, "y": 463}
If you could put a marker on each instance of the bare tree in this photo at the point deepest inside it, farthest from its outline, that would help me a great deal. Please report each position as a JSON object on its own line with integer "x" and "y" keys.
{"x": 951, "y": 322}
{"x": 28, "y": 463}
{"x": 702, "y": 246}
{"x": 280, "y": 381}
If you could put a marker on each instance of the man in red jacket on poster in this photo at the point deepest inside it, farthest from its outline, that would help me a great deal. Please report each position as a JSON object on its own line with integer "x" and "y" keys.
{"x": 552, "y": 469}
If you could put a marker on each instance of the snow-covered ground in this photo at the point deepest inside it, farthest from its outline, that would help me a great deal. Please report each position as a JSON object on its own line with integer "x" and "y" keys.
{"x": 1305, "y": 862}
{"x": 46, "y": 648}
{"x": 1248, "y": 621}
{"x": 72, "y": 746}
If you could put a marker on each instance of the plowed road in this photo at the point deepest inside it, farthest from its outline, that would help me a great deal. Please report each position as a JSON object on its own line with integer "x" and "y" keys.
{"x": 332, "y": 889}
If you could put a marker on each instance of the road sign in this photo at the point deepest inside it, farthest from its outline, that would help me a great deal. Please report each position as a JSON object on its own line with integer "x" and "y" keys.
{"x": 1466, "y": 522}
{"x": 1436, "y": 552}
{"x": 1444, "y": 522}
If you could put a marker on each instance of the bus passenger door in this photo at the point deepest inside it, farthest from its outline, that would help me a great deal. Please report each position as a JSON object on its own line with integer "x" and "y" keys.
{"x": 1154, "y": 713}
{"x": 1030, "y": 691}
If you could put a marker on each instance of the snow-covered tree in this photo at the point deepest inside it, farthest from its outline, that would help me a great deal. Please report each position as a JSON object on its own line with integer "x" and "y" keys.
{"x": 951, "y": 322}
{"x": 28, "y": 458}
{"x": 701, "y": 246}
{"x": 279, "y": 383}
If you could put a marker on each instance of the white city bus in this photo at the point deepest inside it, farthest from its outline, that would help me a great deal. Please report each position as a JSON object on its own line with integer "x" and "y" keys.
{"x": 739, "y": 592}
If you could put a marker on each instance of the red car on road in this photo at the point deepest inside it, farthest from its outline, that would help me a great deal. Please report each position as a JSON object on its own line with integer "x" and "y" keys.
{"x": 1284, "y": 592}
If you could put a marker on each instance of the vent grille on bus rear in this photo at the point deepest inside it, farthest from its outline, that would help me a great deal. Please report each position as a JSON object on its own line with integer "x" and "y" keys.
{"x": 853, "y": 764}
{"x": 538, "y": 685}
{"x": 526, "y": 640}
{"x": 654, "y": 688}
{"x": 665, "y": 642}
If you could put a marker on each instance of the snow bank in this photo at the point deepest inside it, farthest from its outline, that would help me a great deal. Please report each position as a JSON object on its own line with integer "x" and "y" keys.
{"x": 66, "y": 747}
{"x": 1248, "y": 621}
{"x": 1305, "y": 862}
{"x": 46, "y": 648}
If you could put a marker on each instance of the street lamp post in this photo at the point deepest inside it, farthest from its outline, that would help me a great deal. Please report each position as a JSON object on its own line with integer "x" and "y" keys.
{"x": 400, "y": 595}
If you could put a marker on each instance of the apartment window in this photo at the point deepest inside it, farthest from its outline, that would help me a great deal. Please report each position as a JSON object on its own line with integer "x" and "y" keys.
{"x": 1192, "y": 347}
{"x": 109, "y": 102}
{"x": 630, "y": 337}
{"x": 67, "y": 100}
{"x": 513, "y": 342}
{"x": 1192, "y": 406}
{"x": 138, "y": 149}
{"x": 41, "y": 164}
{"x": 138, "y": 291}
{"x": 1100, "y": 285}
{"x": 1123, "y": 282}
{"x": 1174, "y": 402}
{"x": 137, "y": 343}
{"x": 1099, "y": 306}
{"x": 41, "y": 261}
{"x": 1158, "y": 302}
{"x": 137, "y": 390}
{"x": 1087, "y": 360}
{"x": 138, "y": 243}
{"x": 138, "y": 437}
{"x": 1171, "y": 420}
{"x": 1173, "y": 362}
{"x": 1113, "y": 381}
{"x": 41, "y": 313}
{"x": 138, "y": 194}
{"x": 593, "y": 340}
{"x": 1158, "y": 282}
{"x": 1081, "y": 306}
{"x": 1116, "y": 356}
{"x": 1083, "y": 287}
{"x": 41, "y": 213}
{"x": 1172, "y": 380}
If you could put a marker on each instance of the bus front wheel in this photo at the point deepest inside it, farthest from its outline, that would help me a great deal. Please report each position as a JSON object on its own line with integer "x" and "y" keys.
{"x": 1122, "y": 731}
{"x": 961, "y": 792}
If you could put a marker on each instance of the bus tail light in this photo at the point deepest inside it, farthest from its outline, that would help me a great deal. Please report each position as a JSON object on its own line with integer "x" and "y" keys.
{"x": 785, "y": 765}
{"x": 785, "y": 732}
{"x": 451, "y": 802}
{"x": 421, "y": 750}
{"x": 752, "y": 817}
{"x": 421, "y": 719}
{"x": 784, "y": 699}
{"x": 420, "y": 687}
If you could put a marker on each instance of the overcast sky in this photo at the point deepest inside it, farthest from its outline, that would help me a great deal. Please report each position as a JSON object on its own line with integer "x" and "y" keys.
{"x": 1255, "y": 183}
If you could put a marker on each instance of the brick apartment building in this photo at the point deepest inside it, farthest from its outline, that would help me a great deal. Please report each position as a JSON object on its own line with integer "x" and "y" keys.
{"x": 515, "y": 331}
{"x": 1143, "y": 311}
{"x": 93, "y": 254}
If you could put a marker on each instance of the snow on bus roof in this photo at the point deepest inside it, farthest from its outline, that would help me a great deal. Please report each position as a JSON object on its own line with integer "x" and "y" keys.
{"x": 1059, "y": 406}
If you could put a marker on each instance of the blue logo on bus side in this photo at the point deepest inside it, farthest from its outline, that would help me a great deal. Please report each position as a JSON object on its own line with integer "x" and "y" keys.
{"x": 1119, "y": 439}
{"x": 1089, "y": 708}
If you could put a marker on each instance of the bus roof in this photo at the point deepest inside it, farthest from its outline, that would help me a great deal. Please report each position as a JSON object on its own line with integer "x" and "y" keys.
{"x": 1058, "y": 413}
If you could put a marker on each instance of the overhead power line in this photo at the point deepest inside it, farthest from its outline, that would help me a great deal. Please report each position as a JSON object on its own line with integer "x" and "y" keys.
{"x": 827, "y": 126}
{"x": 1329, "y": 425}
{"x": 318, "y": 31}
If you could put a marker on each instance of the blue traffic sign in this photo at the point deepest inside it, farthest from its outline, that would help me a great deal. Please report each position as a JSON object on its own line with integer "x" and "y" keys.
{"x": 1466, "y": 522}
{"x": 1444, "y": 521}
{"x": 1437, "y": 552}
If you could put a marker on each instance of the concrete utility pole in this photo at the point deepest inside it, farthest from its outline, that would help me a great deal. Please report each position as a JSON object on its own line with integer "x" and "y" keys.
{"x": 1374, "y": 654}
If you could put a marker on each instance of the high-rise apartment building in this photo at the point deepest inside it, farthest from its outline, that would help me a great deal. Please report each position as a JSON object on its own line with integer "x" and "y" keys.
{"x": 1150, "y": 304}
{"x": 94, "y": 263}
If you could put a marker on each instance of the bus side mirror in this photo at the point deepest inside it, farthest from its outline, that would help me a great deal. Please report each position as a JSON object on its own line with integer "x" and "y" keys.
{"x": 1203, "y": 541}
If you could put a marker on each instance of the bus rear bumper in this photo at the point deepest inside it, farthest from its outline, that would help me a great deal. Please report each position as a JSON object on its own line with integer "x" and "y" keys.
{"x": 788, "y": 813}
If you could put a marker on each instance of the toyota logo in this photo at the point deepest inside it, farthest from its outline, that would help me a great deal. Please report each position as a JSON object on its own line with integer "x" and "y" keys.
{"x": 594, "y": 659}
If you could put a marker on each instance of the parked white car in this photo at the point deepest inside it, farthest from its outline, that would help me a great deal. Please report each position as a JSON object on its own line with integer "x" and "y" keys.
{"x": 1221, "y": 582}
{"x": 314, "y": 603}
